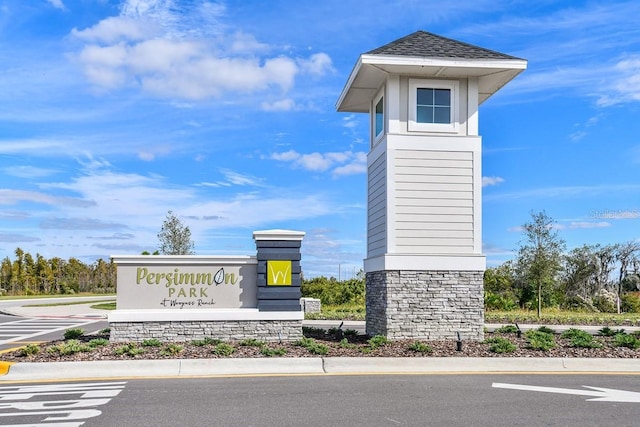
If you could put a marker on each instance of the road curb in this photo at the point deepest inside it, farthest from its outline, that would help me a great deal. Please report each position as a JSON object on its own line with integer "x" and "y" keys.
{"x": 310, "y": 366}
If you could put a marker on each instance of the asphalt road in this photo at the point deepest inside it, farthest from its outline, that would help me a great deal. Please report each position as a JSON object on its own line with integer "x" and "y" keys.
{"x": 364, "y": 400}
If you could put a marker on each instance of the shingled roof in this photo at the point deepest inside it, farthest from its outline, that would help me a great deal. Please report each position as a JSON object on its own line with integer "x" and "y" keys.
{"x": 429, "y": 45}
{"x": 427, "y": 56}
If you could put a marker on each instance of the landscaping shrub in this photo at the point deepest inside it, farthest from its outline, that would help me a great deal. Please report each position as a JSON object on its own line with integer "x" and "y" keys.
{"x": 97, "y": 342}
{"x": 151, "y": 342}
{"x": 626, "y": 340}
{"x": 539, "y": 340}
{"x": 223, "y": 349}
{"x": 608, "y": 332}
{"x": 69, "y": 347}
{"x": 630, "y": 302}
{"x": 312, "y": 346}
{"x": 494, "y": 301}
{"x": 29, "y": 350}
{"x": 130, "y": 349}
{"x": 252, "y": 342}
{"x": 206, "y": 341}
{"x": 420, "y": 347}
{"x": 580, "y": 339}
{"x": 507, "y": 329}
{"x": 272, "y": 352}
{"x": 73, "y": 333}
{"x": 501, "y": 345}
{"x": 171, "y": 349}
{"x": 546, "y": 330}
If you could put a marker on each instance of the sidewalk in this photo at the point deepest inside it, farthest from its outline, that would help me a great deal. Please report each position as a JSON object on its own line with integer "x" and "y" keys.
{"x": 297, "y": 366}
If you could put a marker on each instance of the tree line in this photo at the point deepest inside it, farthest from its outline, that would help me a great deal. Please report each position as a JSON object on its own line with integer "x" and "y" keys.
{"x": 26, "y": 275}
{"x": 604, "y": 278}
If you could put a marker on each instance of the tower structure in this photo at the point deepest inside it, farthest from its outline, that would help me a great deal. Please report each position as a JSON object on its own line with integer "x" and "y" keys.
{"x": 424, "y": 264}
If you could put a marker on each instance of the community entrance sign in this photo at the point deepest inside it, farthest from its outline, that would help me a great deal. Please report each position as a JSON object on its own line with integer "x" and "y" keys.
{"x": 188, "y": 297}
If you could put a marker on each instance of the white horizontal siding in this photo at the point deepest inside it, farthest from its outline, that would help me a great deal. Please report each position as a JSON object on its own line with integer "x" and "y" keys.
{"x": 434, "y": 211}
{"x": 377, "y": 208}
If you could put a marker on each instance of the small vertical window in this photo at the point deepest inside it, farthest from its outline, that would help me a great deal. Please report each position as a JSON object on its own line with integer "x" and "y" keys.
{"x": 379, "y": 117}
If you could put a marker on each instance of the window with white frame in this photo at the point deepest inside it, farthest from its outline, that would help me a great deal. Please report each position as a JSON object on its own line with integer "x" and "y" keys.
{"x": 433, "y": 105}
{"x": 378, "y": 116}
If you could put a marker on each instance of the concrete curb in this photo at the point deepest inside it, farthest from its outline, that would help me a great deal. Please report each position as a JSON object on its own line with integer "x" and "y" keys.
{"x": 312, "y": 366}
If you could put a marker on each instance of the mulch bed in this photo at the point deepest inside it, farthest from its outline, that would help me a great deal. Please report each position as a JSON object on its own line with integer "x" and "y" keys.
{"x": 336, "y": 346}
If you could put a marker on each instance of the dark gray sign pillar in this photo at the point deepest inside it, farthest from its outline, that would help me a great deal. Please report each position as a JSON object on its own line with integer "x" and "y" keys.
{"x": 278, "y": 253}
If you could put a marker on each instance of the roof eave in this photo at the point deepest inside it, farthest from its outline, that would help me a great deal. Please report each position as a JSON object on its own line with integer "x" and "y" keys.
{"x": 507, "y": 69}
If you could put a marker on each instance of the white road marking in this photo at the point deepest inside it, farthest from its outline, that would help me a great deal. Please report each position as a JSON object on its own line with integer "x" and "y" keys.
{"x": 26, "y": 329}
{"x": 83, "y": 398}
{"x": 599, "y": 394}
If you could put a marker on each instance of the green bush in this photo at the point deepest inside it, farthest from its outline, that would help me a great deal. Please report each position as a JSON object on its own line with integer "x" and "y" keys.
{"x": 625, "y": 340}
{"x": 539, "y": 340}
{"x": 252, "y": 342}
{"x": 546, "y": 330}
{"x": 420, "y": 347}
{"x": 97, "y": 342}
{"x": 581, "y": 339}
{"x": 500, "y": 345}
{"x": 272, "y": 352}
{"x": 606, "y": 331}
{"x": 206, "y": 341}
{"x": 344, "y": 343}
{"x": 377, "y": 341}
{"x": 73, "y": 333}
{"x": 494, "y": 301}
{"x": 332, "y": 292}
{"x": 507, "y": 329}
{"x": 29, "y": 350}
{"x": 171, "y": 349}
{"x": 69, "y": 347}
{"x": 223, "y": 349}
{"x": 312, "y": 346}
{"x": 151, "y": 342}
{"x": 130, "y": 349}
{"x": 630, "y": 302}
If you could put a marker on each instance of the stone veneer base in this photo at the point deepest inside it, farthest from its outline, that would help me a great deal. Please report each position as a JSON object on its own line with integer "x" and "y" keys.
{"x": 428, "y": 305}
{"x": 189, "y": 325}
{"x": 184, "y": 331}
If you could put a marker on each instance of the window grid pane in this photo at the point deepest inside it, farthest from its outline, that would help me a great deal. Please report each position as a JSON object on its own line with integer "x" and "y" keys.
{"x": 433, "y": 105}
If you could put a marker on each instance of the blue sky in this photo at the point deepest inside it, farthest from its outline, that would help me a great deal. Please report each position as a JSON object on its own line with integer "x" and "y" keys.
{"x": 114, "y": 112}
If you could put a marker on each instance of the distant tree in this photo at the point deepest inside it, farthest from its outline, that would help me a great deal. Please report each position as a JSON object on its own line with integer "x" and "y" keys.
{"x": 539, "y": 257}
{"x": 175, "y": 238}
{"x": 627, "y": 254}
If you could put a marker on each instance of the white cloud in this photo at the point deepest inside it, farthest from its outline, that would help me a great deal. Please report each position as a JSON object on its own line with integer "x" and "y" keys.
{"x": 57, "y": 4}
{"x": 318, "y": 64}
{"x": 568, "y": 191}
{"x": 236, "y": 178}
{"x": 29, "y": 171}
{"x": 151, "y": 47}
{"x": 286, "y": 156}
{"x": 341, "y": 163}
{"x": 589, "y": 224}
{"x": 624, "y": 83}
{"x": 115, "y": 29}
{"x": 281, "y": 105}
{"x": 12, "y": 197}
{"x": 491, "y": 180}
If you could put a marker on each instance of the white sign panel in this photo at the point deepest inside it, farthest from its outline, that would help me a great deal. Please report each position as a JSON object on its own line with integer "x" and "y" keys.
{"x": 186, "y": 282}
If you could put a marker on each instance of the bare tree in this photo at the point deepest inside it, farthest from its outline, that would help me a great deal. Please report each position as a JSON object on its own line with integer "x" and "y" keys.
{"x": 175, "y": 238}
